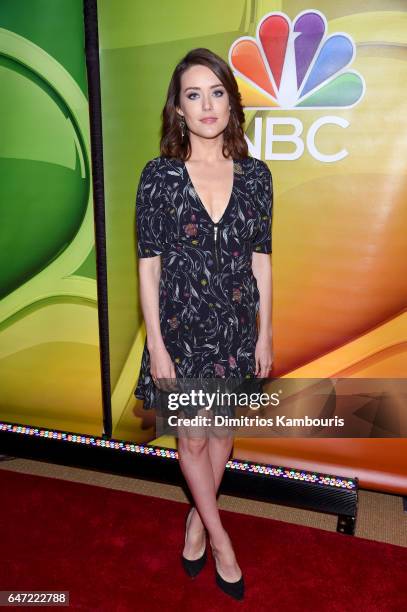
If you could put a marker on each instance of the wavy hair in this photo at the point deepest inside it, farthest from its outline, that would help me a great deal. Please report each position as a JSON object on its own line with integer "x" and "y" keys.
{"x": 172, "y": 144}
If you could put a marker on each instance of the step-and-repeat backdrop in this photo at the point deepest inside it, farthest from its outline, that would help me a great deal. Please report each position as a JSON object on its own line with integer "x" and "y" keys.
{"x": 322, "y": 87}
{"x": 49, "y": 340}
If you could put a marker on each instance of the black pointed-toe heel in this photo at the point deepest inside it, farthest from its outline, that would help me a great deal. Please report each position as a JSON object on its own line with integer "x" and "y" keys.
{"x": 234, "y": 589}
{"x": 193, "y": 567}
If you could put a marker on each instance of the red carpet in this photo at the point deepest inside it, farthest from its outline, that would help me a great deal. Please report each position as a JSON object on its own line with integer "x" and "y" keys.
{"x": 120, "y": 552}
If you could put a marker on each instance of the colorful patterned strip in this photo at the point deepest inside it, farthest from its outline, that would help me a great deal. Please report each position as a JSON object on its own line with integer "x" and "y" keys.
{"x": 170, "y": 453}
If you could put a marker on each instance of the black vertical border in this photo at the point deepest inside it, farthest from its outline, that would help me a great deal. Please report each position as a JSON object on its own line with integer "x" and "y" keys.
{"x": 95, "y": 120}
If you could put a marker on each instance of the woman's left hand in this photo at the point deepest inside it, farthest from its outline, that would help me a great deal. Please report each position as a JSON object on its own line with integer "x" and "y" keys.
{"x": 264, "y": 355}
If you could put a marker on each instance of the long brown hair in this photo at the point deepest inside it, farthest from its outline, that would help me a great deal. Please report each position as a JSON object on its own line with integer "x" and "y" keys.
{"x": 172, "y": 144}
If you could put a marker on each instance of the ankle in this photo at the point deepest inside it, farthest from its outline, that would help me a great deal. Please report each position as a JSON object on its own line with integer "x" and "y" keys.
{"x": 196, "y": 521}
{"x": 219, "y": 540}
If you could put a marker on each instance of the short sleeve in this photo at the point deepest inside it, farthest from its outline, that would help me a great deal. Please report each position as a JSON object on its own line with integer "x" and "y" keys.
{"x": 264, "y": 200}
{"x": 150, "y": 223}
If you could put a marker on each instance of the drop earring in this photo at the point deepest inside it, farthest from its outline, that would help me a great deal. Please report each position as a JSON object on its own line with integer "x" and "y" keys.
{"x": 182, "y": 124}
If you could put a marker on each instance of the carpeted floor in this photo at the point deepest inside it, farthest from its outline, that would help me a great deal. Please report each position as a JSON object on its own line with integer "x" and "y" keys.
{"x": 115, "y": 546}
{"x": 380, "y": 516}
{"x": 118, "y": 550}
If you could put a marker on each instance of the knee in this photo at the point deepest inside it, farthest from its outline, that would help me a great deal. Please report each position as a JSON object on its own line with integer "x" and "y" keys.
{"x": 192, "y": 446}
{"x": 222, "y": 437}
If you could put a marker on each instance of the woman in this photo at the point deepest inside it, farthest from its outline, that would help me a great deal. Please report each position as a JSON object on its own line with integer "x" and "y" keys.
{"x": 204, "y": 210}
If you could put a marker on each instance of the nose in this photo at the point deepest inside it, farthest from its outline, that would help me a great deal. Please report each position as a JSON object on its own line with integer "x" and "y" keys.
{"x": 207, "y": 101}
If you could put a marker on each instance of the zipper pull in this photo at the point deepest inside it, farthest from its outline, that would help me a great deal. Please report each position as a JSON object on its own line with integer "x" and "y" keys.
{"x": 215, "y": 238}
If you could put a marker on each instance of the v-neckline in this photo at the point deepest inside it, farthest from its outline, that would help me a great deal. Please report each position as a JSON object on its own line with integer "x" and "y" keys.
{"x": 199, "y": 197}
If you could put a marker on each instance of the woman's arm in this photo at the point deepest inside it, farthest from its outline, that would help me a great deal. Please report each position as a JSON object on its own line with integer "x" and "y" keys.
{"x": 262, "y": 270}
{"x": 161, "y": 364}
{"x": 149, "y": 279}
{"x": 150, "y": 246}
{"x": 261, "y": 266}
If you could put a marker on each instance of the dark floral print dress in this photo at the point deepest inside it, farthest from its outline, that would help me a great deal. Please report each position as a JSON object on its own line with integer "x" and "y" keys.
{"x": 208, "y": 294}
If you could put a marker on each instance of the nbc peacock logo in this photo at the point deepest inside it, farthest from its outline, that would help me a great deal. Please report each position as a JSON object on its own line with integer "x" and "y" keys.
{"x": 295, "y": 66}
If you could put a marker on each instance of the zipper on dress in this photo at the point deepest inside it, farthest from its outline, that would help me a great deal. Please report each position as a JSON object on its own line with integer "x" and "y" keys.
{"x": 215, "y": 242}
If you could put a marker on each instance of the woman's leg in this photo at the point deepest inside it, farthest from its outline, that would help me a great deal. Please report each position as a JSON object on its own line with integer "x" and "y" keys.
{"x": 219, "y": 452}
{"x": 202, "y": 461}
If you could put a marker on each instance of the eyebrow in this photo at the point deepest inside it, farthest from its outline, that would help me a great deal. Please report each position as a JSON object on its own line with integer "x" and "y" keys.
{"x": 211, "y": 87}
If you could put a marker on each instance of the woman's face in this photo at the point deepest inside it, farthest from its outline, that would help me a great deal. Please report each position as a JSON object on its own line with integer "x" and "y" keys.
{"x": 203, "y": 96}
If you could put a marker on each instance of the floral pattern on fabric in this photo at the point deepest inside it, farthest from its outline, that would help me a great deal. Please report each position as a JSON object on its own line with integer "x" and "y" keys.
{"x": 208, "y": 295}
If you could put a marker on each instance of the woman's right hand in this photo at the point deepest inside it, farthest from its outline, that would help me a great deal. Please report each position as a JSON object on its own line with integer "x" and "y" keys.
{"x": 162, "y": 367}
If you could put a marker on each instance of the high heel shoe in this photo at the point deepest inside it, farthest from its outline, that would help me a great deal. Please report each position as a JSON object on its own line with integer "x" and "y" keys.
{"x": 233, "y": 589}
{"x": 192, "y": 567}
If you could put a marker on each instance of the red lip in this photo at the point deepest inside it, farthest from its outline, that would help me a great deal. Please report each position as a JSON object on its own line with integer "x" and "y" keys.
{"x": 209, "y": 119}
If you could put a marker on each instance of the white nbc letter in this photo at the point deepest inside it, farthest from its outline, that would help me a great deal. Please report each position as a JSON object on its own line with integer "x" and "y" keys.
{"x": 295, "y": 138}
{"x": 311, "y": 139}
{"x": 255, "y": 148}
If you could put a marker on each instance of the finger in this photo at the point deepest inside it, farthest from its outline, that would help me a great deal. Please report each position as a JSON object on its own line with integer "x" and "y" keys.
{"x": 174, "y": 377}
{"x": 160, "y": 382}
{"x": 157, "y": 383}
{"x": 257, "y": 366}
{"x": 266, "y": 372}
{"x": 166, "y": 383}
{"x": 170, "y": 381}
